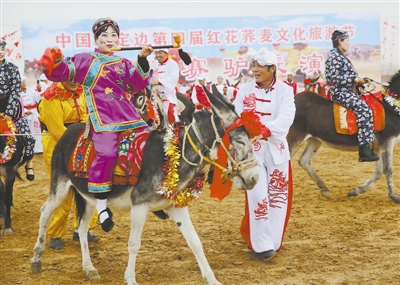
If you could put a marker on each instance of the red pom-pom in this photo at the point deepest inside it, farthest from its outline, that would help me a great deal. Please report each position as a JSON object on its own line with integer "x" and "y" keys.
{"x": 252, "y": 124}
{"x": 50, "y": 58}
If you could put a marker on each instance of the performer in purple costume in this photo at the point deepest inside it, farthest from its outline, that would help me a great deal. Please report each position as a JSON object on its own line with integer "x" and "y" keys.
{"x": 107, "y": 81}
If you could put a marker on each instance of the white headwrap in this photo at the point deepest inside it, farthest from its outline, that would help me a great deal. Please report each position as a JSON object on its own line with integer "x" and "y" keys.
{"x": 263, "y": 57}
{"x": 162, "y": 49}
{"x": 201, "y": 77}
{"x": 42, "y": 77}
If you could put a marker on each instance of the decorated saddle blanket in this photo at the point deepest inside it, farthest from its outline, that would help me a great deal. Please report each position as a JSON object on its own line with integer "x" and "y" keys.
{"x": 345, "y": 120}
{"x": 131, "y": 146}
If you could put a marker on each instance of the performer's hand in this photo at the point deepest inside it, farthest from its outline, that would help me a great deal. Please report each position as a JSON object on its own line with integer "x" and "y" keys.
{"x": 361, "y": 81}
{"x": 49, "y": 58}
{"x": 154, "y": 82}
{"x": 146, "y": 51}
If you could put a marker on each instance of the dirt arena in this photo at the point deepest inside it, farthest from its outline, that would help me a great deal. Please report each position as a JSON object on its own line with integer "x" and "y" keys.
{"x": 336, "y": 240}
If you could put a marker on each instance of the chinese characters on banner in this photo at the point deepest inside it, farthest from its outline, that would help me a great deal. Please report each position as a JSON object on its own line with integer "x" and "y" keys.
{"x": 389, "y": 48}
{"x": 14, "y": 48}
{"x": 220, "y": 45}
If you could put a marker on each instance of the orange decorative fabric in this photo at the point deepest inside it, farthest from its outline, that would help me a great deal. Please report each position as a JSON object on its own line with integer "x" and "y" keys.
{"x": 131, "y": 146}
{"x": 221, "y": 186}
{"x": 57, "y": 90}
{"x": 345, "y": 120}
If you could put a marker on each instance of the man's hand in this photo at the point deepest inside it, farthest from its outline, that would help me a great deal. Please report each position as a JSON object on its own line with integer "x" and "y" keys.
{"x": 256, "y": 138}
{"x": 361, "y": 81}
{"x": 49, "y": 58}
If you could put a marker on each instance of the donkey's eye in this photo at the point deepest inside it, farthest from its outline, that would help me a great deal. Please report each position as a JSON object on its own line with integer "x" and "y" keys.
{"x": 240, "y": 142}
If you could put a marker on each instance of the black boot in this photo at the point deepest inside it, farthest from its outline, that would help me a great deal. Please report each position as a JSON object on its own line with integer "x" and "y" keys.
{"x": 366, "y": 154}
{"x": 108, "y": 223}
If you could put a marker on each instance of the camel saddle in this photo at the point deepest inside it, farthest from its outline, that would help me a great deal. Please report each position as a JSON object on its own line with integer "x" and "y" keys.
{"x": 345, "y": 120}
{"x": 131, "y": 146}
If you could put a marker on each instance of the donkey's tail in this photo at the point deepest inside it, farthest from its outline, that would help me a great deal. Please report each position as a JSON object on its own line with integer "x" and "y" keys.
{"x": 80, "y": 205}
{"x": 18, "y": 165}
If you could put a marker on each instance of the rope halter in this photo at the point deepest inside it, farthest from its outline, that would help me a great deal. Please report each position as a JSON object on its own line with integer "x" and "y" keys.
{"x": 234, "y": 166}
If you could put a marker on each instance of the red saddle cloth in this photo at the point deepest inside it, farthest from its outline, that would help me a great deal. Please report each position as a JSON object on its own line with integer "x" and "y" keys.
{"x": 130, "y": 153}
{"x": 345, "y": 120}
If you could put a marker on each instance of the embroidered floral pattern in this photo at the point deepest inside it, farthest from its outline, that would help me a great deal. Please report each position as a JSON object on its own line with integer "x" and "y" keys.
{"x": 104, "y": 73}
{"x": 120, "y": 72}
{"x": 277, "y": 189}
{"x": 262, "y": 211}
{"x": 249, "y": 101}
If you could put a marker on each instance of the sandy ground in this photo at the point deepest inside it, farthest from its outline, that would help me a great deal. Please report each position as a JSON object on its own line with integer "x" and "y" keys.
{"x": 335, "y": 240}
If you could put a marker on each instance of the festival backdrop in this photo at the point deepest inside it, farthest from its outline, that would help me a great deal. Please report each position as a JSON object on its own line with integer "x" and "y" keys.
{"x": 14, "y": 52}
{"x": 219, "y": 45}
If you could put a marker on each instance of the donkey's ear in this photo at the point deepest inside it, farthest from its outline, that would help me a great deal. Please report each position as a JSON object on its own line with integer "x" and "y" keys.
{"x": 221, "y": 108}
{"x": 218, "y": 94}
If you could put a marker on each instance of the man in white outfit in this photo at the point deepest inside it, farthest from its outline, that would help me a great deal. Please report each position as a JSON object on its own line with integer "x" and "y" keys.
{"x": 164, "y": 82}
{"x": 220, "y": 83}
{"x": 268, "y": 204}
{"x": 198, "y": 96}
{"x": 30, "y": 99}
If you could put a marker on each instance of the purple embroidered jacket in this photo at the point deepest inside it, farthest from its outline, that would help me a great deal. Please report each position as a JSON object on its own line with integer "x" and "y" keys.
{"x": 107, "y": 82}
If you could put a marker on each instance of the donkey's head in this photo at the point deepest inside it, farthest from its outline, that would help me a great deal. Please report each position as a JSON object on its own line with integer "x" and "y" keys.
{"x": 394, "y": 84}
{"x": 240, "y": 150}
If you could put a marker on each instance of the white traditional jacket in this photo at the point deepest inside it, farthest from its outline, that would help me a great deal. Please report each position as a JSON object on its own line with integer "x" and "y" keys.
{"x": 30, "y": 99}
{"x": 167, "y": 73}
{"x": 220, "y": 87}
{"x": 276, "y": 109}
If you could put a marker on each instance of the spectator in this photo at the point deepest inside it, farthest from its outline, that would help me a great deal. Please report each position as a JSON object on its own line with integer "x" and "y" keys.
{"x": 62, "y": 105}
{"x": 30, "y": 99}
{"x": 289, "y": 81}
